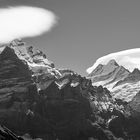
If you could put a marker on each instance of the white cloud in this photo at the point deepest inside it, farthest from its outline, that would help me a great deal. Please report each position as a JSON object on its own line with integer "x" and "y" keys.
{"x": 24, "y": 21}
{"x": 130, "y": 59}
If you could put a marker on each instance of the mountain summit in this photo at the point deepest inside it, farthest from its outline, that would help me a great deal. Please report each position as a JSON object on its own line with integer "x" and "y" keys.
{"x": 109, "y": 73}
{"x": 112, "y": 62}
{"x": 120, "y": 81}
{"x": 104, "y": 69}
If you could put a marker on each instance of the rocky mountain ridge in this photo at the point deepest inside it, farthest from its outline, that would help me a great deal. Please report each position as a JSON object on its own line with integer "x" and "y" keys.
{"x": 38, "y": 99}
{"x": 117, "y": 79}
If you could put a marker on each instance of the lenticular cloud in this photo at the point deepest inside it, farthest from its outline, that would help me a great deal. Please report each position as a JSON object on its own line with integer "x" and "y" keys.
{"x": 130, "y": 59}
{"x": 24, "y": 21}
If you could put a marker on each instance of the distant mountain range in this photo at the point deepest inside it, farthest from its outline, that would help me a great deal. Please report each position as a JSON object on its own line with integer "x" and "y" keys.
{"x": 120, "y": 81}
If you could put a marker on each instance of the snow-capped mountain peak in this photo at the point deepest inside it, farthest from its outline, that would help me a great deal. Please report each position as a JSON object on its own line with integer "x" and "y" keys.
{"x": 112, "y": 62}
{"x": 120, "y": 81}
{"x": 109, "y": 72}
{"x": 104, "y": 69}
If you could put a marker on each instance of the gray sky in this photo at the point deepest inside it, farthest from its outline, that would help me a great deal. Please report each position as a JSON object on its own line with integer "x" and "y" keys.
{"x": 86, "y": 30}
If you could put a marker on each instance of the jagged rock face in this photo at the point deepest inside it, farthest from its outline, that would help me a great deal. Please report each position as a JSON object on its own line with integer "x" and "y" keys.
{"x": 109, "y": 73}
{"x": 104, "y": 69}
{"x": 12, "y": 68}
{"x": 52, "y": 104}
{"x": 131, "y": 78}
{"x": 122, "y": 83}
{"x": 41, "y": 69}
{"x": 15, "y": 77}
{"x": 99, "y": 97}
{"x": 134, "y": 105}
{"x": 21, "y": 73}
{"x": 69, "y": 111}
{"x": 29, "y": 54}
{"x": 38, "y": 99}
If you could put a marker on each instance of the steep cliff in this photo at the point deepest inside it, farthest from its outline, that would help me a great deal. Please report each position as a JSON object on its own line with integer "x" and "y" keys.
{"x": 38, "y": 99}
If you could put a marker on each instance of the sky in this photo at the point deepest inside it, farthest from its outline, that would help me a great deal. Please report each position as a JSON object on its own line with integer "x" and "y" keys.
{"x": 86, "y": 30}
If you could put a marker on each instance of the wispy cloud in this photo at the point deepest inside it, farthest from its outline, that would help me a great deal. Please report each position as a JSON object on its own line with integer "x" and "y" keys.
{"x": 130, "y": 59}
{"x": 24, "y": 21}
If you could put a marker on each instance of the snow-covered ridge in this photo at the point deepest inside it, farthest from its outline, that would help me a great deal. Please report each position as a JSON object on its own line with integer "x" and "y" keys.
{"x": 35, "y": 58}
{"x": 120, "y": 81}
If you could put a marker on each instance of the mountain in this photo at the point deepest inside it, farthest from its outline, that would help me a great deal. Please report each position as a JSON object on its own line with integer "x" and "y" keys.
{"x": 122, "y": 83}
{"x": 104, "y": 69}
{"x": 131, "y": 78}
{"x": 17, "y": 58}
{"x": 108, "y": 74}
{"x": 41, "y": 101}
